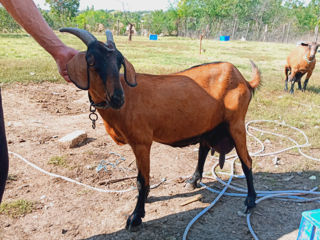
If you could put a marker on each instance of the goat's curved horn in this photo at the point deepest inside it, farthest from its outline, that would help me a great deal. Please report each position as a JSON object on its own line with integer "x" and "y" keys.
{"x": 84, "y": 35}
{"x": 109, "y": 36}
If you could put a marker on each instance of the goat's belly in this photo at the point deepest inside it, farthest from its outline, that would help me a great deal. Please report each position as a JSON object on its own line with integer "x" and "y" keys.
{"x": 183, "y": 133}
{"x": 212, "y": 137}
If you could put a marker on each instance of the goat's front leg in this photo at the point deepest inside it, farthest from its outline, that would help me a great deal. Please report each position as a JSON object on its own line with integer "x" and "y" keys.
{"x": 293, "y": 81}
{"x": 202, "y": 155}
{"x": 142, "y": 154}
{"x": 286, "y": 70}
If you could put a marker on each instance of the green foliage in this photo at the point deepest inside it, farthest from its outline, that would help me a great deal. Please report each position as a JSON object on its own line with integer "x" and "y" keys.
{"x": 90, "y": 19}
{"x": 63, "y": 11}
{"x": 17, "y": 208}
{"x": 157, "y": 22}
{"x": 48, "y": 17}
{"x": 7, "y": 23}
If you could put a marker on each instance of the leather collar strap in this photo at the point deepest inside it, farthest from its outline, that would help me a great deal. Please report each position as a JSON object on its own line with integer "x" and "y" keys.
{"x": 100, "y": 105}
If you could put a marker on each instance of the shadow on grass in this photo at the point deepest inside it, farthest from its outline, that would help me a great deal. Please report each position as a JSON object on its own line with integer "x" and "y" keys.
{"x": 314, "y": 89}
{"x": 14, "y": 35}
{"x": 271, "y": 219}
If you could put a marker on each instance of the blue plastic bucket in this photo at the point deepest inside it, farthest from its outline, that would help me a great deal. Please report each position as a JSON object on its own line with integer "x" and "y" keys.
{"x": 310, "y": 225}
{"x": 224, "y": 38}
{"x": 153, "y": 37}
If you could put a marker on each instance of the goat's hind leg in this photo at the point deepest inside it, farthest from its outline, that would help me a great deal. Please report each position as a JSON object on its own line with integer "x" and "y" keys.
{"x": 306, "y": 80}
{"x": 238, "y": 134}
{"x": 202, "y": 155}
{"x": 142, "y": 153}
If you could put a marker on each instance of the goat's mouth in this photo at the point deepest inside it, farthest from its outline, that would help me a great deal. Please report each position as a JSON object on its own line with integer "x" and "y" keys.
{"x": 117, "y": 99}
{"x": 116, "y": 104}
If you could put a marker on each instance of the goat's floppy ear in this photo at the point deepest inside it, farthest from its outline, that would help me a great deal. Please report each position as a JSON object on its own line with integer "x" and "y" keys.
{"x": 304, "y": 44}
{"x": 129, "y": 73}
{"x": 77, "y": 71}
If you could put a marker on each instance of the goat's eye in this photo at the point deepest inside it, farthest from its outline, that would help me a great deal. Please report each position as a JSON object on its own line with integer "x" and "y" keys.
{"x": 90, "y": 60}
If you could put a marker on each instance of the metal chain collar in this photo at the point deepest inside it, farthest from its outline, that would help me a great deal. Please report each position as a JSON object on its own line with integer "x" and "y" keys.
{"x": 93, "y": 116}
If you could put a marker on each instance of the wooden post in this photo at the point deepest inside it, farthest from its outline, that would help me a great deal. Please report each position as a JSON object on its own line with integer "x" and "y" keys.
{"x": 201, "y": 36}
{"x": 288, "y": 32}
{"x": 234, "y": 28}
{"x": 130, "y": 31}
{"x": 284, "y": 32}
{"x": 265, "y": 32}
{"x": 118, "y": 29}
{"x": 247, "y": 32}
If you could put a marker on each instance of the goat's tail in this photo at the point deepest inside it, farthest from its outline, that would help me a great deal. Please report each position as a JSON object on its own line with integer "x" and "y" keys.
{"x": 256, "y": 78}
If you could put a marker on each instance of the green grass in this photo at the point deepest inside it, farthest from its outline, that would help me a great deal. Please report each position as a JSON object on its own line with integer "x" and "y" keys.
{"x": 23, "y": 60}
{"x": 16, "y": 209}
{"x": 58, "y": 161}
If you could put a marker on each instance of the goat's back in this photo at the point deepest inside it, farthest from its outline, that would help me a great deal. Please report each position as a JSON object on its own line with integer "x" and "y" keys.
{"x": 296, "y": 58}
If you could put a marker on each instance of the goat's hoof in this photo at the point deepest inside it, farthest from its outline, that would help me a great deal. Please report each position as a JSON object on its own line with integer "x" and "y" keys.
{"x": 133, "y": 222}
{"x": 247, "y": 210}
{"x": 191, "y": 184}
{"x": 250, "y": 202}
{"x": 291, "y": 92}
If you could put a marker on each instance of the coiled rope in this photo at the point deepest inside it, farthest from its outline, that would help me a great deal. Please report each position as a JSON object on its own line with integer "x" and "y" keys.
{"x": 292, "y": 195}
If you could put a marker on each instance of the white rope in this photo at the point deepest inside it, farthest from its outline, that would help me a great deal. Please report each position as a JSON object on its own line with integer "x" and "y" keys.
{"x": 76, "y": 182}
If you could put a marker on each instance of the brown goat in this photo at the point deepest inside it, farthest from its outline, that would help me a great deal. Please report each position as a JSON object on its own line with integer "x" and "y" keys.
{"x": 205, "y": 104}
{"x": 300, "y": 61}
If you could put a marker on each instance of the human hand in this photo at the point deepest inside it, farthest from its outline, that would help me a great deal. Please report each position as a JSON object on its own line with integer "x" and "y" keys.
{"x": 62, "y": 57}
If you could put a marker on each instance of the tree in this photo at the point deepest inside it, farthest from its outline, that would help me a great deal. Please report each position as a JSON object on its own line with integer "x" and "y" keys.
{"x": 91, "y": 19}
{"x": 7, "y": 23}
{"x": 63, "y": 11}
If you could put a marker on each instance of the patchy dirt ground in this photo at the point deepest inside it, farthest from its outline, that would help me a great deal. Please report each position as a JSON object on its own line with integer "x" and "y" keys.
{"x": 38, "y": 115}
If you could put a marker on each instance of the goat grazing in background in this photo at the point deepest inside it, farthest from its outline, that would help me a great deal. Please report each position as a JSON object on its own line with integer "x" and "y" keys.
{"x": 301, "y": 60}
{"x": 205, "y": 104}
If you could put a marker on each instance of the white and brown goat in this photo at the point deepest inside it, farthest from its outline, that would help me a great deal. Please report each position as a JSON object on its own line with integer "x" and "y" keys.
{"x": 300, "y": 61}
{"x": 205, "y": 104}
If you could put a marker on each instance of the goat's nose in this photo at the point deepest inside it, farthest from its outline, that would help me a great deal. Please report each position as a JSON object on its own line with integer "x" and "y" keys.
{"x": 117, "y": 99}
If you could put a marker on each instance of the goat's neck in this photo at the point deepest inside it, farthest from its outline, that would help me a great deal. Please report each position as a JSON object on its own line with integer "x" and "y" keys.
{"x": 308, "y": 58}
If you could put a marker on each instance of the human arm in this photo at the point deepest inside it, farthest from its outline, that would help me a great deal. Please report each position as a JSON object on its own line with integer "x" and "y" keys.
{"x": 28, "y": 16}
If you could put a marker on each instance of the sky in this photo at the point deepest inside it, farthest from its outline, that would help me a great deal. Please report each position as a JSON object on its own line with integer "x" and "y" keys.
{"x": 131, "y": 5}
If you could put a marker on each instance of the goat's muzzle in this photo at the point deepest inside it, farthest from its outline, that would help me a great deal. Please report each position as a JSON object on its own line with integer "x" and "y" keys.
{"x": 117, "y": 99}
